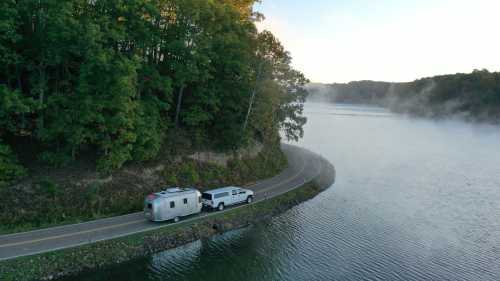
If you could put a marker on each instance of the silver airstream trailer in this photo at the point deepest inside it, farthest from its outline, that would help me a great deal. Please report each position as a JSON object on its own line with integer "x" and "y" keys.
{"x": 172, "y": 203}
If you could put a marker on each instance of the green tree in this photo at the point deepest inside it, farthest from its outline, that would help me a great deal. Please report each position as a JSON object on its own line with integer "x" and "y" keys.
{"x": 111, "y": 78}
{"x": 290, "y": 85}
{"x": 10, "y": 169}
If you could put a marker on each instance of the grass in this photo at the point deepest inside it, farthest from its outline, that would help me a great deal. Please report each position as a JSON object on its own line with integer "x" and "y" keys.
{"x": 48, "y": 201}
{"x": 105, "y": 253}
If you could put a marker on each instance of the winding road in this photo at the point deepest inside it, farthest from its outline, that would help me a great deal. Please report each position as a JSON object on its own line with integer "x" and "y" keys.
{"x": 303, "y": 167}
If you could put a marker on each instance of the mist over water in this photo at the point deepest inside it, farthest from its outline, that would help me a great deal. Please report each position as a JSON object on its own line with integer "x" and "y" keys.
{"x": 425, "y": 193}
{"x": 414, "y": 200}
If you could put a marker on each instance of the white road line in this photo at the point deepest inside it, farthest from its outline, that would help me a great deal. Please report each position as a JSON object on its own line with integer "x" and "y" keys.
{"x": 295, "y": 176}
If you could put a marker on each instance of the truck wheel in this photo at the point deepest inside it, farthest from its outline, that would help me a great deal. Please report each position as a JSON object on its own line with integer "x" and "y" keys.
{"x": 177, "y": 219}
{"x": 221, "y": 207}
{"x": 249, "y": 199}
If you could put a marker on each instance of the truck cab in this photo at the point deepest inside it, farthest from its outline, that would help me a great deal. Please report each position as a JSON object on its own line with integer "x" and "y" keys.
{"x": 222, "y": 197}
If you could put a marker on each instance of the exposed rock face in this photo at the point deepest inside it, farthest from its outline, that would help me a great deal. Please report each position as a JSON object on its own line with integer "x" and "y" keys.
{"x": 221, "y": 159}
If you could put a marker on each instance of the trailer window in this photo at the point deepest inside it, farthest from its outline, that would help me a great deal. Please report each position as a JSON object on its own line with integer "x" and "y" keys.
{"x": 199, "y": 199}
{"x": 185, "y": 200}
{"x": 235, "y": 192}
{"x": 172, "y": 204}
{"x": 150, "y": 206}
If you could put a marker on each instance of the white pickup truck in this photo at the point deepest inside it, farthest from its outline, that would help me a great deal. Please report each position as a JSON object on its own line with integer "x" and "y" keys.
{"x": 226, "y": 196}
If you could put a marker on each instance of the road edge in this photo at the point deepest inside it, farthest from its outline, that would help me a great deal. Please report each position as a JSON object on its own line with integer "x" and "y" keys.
{"x": 67, "y": 262}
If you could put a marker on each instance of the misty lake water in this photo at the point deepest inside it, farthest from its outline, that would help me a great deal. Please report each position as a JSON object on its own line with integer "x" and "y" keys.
{"x": 415, "y": 199}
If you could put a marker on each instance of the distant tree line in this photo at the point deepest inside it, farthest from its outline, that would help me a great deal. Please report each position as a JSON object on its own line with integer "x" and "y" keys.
{"x": 356, "y": 92}
{"x": 474, "y": 96}
{"x": 117, "y": 79}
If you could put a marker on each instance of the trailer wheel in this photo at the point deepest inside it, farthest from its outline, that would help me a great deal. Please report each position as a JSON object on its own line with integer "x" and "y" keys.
{"x": 221, "y": 207}
{"x": 177, "y": 219}
{"x": 249, "y": 199}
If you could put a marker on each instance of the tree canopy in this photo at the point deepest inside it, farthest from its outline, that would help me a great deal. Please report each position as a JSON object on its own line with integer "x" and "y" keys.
{"x": 114, "y": 78}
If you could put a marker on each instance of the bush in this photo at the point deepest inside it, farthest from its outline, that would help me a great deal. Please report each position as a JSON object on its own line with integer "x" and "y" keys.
{"x": 55, "y": 159}
{"x": 48, "y": 188}
{"x": 93, "y": 199}
{"x": 10, "y": 169}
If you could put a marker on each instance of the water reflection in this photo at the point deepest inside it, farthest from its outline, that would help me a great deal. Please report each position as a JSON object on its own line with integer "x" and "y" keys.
{"x": 414, "y": 200}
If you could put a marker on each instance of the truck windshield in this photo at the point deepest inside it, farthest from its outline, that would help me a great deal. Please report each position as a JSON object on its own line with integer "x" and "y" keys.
{"x": 206, "y": 196}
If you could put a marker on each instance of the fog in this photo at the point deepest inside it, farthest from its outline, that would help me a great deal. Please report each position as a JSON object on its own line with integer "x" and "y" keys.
{"x": 425, "y": 192}
{"x": 397, "y": 97}
{"x": 414, "y": 199}
{"x": 320, "y": 93}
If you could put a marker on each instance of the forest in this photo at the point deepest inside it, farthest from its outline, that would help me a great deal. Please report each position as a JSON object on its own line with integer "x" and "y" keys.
{"x": 472, "y": 96}
{"x": 117, "y": 81}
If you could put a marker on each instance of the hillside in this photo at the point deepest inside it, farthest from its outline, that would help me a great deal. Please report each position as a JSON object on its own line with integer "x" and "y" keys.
{"x": 93, "y": 88}
{"x": 474, "y": 96}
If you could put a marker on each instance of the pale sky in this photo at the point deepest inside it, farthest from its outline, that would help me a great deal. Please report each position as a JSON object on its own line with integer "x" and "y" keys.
{"x": 385, "y": 40}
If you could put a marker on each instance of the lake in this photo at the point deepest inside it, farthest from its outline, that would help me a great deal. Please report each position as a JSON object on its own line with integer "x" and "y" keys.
{"x": 414, "y": 199}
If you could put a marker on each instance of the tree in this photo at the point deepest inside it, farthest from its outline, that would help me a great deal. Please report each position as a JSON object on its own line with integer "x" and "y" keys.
{"x": 290, "y": 82}
{"x": 109, "y": 79}
{"x": 10, "y": 169}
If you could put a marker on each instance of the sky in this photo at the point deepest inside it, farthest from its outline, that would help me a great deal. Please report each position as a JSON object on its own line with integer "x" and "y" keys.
{"x": 385, "y": 40}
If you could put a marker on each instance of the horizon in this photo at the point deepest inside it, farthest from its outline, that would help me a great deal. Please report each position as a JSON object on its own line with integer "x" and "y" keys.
{"x": 406, "y": 41}
{"x": 381, "y": 81}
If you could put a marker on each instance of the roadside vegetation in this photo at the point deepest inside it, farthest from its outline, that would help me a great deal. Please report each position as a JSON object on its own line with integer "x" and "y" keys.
{"x": 47, "y": 202}
{"x": 68, "y": 262}
{"x": 97, "y": 89}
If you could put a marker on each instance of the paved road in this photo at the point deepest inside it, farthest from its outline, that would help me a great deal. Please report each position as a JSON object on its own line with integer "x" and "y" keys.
{"x": 303, "y": 166}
